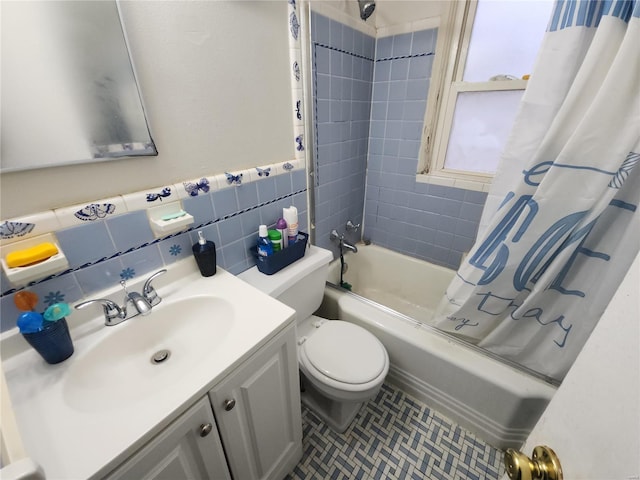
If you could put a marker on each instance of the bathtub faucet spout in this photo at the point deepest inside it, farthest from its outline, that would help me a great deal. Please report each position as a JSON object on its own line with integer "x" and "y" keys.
{"x": 348, "y": 246}
{"x": 334, "y": 235}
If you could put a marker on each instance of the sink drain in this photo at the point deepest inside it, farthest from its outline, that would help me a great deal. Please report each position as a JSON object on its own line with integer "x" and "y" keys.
{"x": 160, "y": 356}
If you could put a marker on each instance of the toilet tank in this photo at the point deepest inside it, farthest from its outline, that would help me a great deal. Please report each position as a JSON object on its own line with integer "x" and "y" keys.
{"x": 300, "y": 285}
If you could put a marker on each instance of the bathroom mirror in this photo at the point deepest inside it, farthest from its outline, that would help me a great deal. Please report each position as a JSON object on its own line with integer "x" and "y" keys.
{"x": 69, "y": 94}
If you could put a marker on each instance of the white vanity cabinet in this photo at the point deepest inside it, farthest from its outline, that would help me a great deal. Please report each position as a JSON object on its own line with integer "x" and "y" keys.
{"x": 257, "y": 408}
{"x": 188, "y": 448}
{"x": 257, "y": 424}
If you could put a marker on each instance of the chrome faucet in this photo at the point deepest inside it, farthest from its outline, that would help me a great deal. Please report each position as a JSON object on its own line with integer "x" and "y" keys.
{"x": 334, "y": 235}
{"x": 143, "y": 304}
{"x": 348, "y": 246}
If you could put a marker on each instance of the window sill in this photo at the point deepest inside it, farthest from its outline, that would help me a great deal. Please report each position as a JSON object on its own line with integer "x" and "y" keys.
{"x": 470, "y": 182}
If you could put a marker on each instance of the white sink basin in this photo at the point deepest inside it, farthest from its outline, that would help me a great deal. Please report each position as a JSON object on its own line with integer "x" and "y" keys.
{"x": 109, "y": 385}
{"x": 120, "y": 369}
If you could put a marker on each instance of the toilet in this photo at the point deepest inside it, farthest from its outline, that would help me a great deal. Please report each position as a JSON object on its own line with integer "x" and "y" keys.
{"x": 342, "y": 365}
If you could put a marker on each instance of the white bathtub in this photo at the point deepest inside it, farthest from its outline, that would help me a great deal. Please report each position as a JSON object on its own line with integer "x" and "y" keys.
{"x": 487, "y": 396}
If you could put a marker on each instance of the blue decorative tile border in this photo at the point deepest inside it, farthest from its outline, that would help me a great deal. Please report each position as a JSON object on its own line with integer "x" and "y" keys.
{"x": 128, "y": 275}
{"x": 400, "y": 57}
{"x": 357, "y": 55}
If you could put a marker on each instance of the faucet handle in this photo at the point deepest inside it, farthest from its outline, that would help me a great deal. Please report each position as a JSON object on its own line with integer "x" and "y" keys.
{"x": 148, "y": 292}
{"x": 351, "y": 227}
{"x": 334, "y": 235}
{"x": 111, "y": 309}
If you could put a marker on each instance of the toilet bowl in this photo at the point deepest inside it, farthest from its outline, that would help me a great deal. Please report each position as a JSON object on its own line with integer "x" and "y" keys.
{"x": 342, "y": 365}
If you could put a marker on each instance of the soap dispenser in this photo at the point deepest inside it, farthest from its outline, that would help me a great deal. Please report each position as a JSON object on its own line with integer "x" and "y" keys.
{"x": 205, "y": 254}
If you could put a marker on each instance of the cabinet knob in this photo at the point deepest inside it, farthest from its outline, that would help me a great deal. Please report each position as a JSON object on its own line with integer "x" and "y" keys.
{"x": 205, "y": 429}
{"x": 229, "y": 404}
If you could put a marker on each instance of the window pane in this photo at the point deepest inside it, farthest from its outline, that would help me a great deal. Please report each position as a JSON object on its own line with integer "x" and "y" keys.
{"x": 481, "y": 124}
{"x": 505, "y": 38}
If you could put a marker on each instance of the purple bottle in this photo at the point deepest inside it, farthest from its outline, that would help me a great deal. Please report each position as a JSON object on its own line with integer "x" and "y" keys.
{"x": 281, "y": 226}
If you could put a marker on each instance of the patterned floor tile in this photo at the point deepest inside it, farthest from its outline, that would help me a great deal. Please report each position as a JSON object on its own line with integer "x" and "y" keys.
{"x": 394, "y": 436}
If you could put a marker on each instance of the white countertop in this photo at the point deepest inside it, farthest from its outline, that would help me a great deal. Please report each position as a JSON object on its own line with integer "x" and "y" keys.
{"x": 73, "y": 444}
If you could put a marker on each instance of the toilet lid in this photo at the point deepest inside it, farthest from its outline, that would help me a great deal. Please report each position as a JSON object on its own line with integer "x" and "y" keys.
{"x": 345, "y": 352}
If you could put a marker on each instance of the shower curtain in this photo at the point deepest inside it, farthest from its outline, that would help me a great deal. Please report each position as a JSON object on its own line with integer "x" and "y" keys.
{"x": 560, "y": 227}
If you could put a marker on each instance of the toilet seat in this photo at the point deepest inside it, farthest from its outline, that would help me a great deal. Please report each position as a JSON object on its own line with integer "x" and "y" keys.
{"x": 344, "y": 355}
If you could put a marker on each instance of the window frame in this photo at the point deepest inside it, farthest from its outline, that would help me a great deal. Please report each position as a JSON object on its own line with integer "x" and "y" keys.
{"x": 452, "y": 48}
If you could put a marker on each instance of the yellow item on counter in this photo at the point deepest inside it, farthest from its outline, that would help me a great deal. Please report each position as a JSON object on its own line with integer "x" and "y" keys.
{"x": 29, "y": 256}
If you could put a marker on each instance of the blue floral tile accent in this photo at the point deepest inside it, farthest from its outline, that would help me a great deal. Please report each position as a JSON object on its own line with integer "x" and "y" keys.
{"x": 175, "y": 248}
{"x": 164, "y": 193}
{"x": 193, "y": 189}
{"x": 127, "y": 273}
{"x": 294, "y": 26}
{"x": 15, "y": 229}
{"x": 263, "y": 172}
{"x": 53, "y": 297}
{"x": 292, "y": 3}
{"x": 296, "y": 70}
{"x": 142, "y": 262}
{"x": 95, "y": 211}
{"x": 288, "y": 166}
{"x": 56, "y": 290}
{"x": 299, "y": 145}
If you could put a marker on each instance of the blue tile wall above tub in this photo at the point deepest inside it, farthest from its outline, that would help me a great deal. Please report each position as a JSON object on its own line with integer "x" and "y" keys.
{"x": 402, "y": 45}
{"x": 424, "y": 41}
{"x": 342, "y": 110}
{"x": 384, "y": 47}
{"x": 431, "y": 222}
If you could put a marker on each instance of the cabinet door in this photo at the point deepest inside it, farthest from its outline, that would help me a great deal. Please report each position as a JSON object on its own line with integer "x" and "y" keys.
{"x": 189, "y": 448}
{"x": 258, "y": 412}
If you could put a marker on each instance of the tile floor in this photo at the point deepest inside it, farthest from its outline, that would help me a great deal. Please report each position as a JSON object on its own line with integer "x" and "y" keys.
{"x": 395, "y": 436}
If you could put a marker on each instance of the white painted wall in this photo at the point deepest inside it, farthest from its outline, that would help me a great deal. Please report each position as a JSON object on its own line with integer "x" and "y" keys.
{"x": 395, "y": 12}
{"x": 215, "y": 79}
{"x": 388, "y": 13}
{"x": 593, "y": 421}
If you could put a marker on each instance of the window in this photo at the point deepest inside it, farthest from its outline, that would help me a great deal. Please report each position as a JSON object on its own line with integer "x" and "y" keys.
{"x": 492, "y": 45}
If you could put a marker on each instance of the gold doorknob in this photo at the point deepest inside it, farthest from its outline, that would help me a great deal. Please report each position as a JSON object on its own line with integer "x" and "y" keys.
{"x": 544, "y": 464}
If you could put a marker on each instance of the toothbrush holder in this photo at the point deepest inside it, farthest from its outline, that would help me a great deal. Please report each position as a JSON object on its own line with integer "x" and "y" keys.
{"x": 53, "y": 342}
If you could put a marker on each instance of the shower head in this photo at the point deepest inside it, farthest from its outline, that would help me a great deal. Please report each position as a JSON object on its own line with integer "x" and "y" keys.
{"x": 366, "y": 8}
